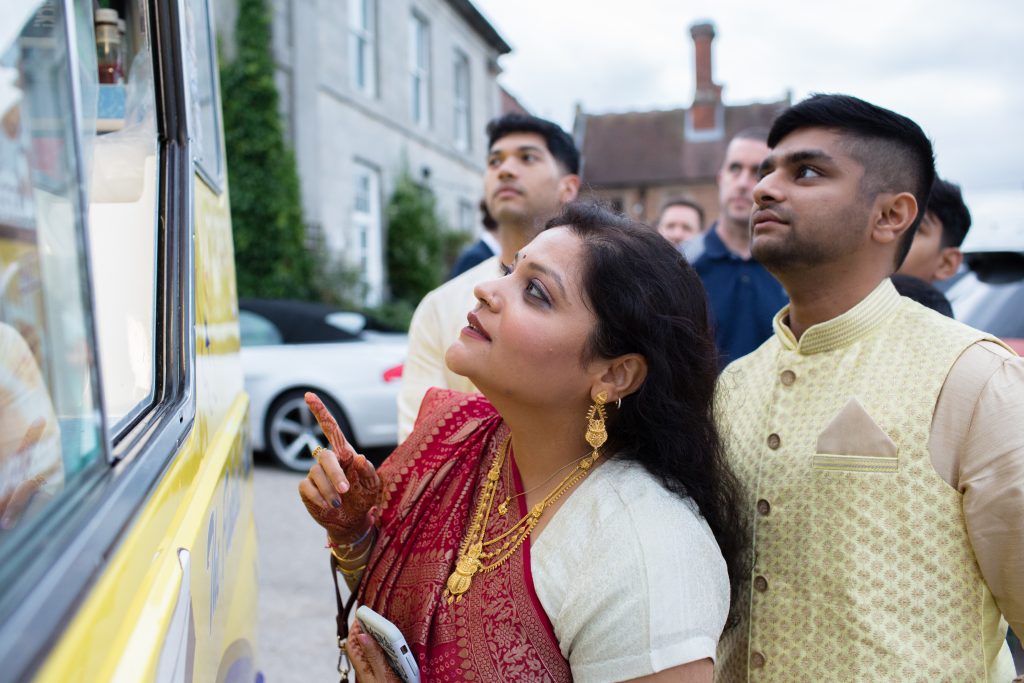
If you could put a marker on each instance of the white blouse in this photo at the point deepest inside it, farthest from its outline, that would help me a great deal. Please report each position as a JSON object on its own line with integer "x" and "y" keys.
{"x": 630, "y": 576}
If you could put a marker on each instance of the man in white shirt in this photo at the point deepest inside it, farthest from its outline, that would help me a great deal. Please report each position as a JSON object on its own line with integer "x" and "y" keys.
{"x": 532, "y": 167}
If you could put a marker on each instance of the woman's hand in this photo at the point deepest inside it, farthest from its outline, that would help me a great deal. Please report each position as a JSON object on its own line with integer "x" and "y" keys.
{"x": 368, "y": 658}
{"x": 342, "y": 487}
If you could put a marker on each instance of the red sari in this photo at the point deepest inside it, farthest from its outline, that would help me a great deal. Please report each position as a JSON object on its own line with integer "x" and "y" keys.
{"x": 430, "y": 485}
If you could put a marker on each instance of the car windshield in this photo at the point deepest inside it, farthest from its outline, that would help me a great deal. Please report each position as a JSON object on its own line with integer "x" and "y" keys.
{"x": 257, "y": 330}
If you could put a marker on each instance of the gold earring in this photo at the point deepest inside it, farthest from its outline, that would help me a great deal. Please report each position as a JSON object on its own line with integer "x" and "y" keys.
{"x": 596, "y": 432}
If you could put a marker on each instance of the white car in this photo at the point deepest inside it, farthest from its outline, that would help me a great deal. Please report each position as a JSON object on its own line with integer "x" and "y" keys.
{"x": 352, "y": 364}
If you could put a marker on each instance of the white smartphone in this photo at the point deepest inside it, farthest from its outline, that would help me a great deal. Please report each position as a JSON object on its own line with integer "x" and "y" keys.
{"x": 392, "y": 642}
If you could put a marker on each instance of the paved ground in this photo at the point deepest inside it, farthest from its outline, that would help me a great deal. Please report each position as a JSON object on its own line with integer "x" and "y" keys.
{"x": 296, "y": 609}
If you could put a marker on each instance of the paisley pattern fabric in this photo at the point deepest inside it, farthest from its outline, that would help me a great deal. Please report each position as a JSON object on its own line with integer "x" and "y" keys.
{"x": 498, "y": 631}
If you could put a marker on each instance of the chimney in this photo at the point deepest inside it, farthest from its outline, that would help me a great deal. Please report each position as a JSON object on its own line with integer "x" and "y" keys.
{"x": 707, "y": 97}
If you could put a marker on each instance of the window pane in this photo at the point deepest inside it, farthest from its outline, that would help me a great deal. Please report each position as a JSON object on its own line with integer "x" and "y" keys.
{"x": 360, "y": 63}
{"x": 419, "y": 68}
{"x": 202, "y": 87}
{"x": 257, "y": 330}
{"x": 461, "y": 111}
{"x": 467, "y": 216}
{"x": 50, "y": 427}
{"x": 367, "y": 228}
{"x": 122, "y": 225}
{"x": 362, "y": 36}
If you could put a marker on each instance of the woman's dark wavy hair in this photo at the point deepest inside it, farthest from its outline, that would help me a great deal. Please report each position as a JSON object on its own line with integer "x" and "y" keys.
{"x": 648, "y": 300}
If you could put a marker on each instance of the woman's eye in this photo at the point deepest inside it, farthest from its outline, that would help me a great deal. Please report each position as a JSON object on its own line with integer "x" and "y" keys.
{"x": 536, "y": 291}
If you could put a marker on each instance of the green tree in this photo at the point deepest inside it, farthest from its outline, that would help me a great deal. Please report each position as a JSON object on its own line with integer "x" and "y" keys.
{"x": 270, "y": 254}
{"x": 415, "y": 241}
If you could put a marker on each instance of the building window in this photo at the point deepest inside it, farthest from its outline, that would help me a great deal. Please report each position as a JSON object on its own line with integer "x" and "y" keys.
{"x": 419, "y": 69}
{"x": 462, "y": 112}
{"x": 366, "y": 224}
{"x": 467, "y": 217}
{"x": 362, "y": 21}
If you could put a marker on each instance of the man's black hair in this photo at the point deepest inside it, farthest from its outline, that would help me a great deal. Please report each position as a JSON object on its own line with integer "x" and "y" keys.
{"x": 947, "y": 203}
{"x": 558, "y": 142}
{"x": 896, "y": 154}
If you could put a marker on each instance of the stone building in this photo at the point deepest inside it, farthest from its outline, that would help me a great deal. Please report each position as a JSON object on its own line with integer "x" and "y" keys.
{"x": 639, "y": 160}
{"x": 369, "y": 87}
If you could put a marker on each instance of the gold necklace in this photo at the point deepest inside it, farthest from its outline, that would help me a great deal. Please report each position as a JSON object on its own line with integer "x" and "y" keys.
{"x": 503, "y": 505}
{"x": 472, "y": 552}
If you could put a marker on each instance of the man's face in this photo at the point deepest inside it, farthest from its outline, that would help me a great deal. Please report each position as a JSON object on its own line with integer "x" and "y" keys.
{"x": 524, "y": 183}
{"x": 737, "y": 178}
{"x": 679, "y": 223}
{"x": 927, "y": 258}
{"x": 810, "y": 209}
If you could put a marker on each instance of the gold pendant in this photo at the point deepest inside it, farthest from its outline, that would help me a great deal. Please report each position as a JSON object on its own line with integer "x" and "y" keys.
{"x": 596, "y": 433}
{"x": 503, "y": 507}
{"x": 461, "y": 579}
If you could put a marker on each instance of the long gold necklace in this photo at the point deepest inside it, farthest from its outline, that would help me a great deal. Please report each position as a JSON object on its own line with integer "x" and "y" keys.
{"x": 503, "y": 505}
{"x": 476, "y": 549}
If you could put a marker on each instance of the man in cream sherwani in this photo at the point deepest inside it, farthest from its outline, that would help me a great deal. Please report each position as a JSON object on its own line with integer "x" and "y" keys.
{"x": 532, "y": 167}
{"x": 881, "y": 444}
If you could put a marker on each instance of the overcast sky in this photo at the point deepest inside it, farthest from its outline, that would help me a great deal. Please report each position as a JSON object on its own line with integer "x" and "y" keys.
{"x": 956, "y": 68}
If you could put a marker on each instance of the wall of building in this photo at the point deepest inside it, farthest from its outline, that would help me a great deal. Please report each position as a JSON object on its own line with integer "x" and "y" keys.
{"x": 643, "y": 203}
{"x": 337, "y": 130}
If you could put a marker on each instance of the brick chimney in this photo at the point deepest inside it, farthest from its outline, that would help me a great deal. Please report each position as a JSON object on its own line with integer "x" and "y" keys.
{"x": 707, "y": 97}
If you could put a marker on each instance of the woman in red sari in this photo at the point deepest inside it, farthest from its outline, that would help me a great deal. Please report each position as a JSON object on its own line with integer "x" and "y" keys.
{"x": 576, "y": 521}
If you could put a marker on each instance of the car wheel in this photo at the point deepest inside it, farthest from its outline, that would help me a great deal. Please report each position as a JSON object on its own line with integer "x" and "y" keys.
{"x": 292, "y": 432}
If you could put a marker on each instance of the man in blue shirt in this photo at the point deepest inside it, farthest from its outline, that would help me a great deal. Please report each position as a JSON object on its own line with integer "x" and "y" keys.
{"x": 742, "y": 295}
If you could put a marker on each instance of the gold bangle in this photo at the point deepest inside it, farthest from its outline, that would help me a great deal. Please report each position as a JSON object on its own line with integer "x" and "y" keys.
{"x": 349, "y": 546}
{"x": 352, "y": 573}
{"x": 362, "y": 557}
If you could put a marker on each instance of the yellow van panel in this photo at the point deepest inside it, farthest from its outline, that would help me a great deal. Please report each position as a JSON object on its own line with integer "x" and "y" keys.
{"x": 146, "y": 619}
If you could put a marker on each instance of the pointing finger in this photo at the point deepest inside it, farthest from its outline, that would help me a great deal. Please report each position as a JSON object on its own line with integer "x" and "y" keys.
{"x": 330, "y": 427}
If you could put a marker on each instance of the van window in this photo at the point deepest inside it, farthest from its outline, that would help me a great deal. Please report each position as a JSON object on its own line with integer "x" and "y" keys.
{"x": 50, "y": 420}
{"x": 203, "y": 90}
{"x": 123, "y": 190}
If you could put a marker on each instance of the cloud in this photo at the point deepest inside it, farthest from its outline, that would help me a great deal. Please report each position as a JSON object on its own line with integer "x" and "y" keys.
{"x": 956, "y": 69}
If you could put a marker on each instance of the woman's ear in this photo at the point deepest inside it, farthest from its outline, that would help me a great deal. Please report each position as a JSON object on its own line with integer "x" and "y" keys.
{"x": 620, "y": 377}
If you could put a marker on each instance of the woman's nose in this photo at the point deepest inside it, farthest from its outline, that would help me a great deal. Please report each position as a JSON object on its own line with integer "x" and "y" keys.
{"x": 485, "y": 293}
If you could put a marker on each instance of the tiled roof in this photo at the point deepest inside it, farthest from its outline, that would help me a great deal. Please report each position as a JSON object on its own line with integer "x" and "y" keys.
{"x": 509, "y": 103}
{"x": 651, "y": 147}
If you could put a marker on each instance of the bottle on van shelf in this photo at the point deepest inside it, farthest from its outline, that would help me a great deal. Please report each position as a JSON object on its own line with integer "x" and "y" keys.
{"x": 108, "y": 47}
{"x": 122, "y": 54}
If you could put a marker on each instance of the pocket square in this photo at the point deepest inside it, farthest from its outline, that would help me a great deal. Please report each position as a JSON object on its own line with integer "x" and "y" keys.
{"x": 854, "y": 441}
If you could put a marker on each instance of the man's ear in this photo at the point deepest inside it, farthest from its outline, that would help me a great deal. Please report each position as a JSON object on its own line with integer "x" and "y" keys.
{"x": 568, "y": 187}
{"x": 894, "y": 214}
{"x": 620, "y": 376}
{"x": 950, "y": 259}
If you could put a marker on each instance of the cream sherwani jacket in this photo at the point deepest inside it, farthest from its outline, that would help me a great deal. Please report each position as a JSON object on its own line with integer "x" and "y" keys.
{"x": 883, "y": 459}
